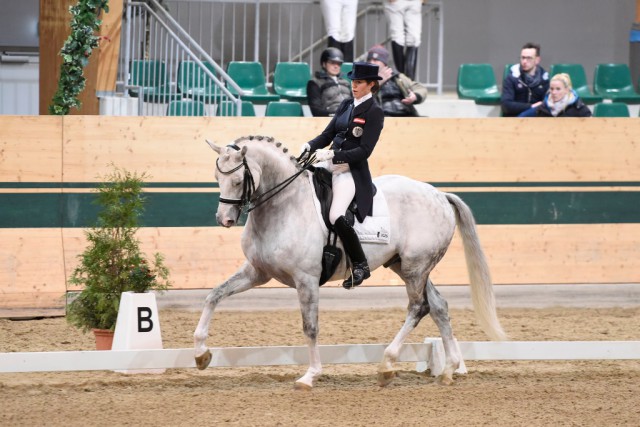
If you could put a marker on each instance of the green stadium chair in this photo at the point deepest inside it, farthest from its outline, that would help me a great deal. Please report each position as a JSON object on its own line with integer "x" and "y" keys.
{"x": 151, "y": 78}
{"x": 613, "y": 81}
{"x": 477, "y": 82}
{"x": 290, "y": 80}
{"x": 185, "y": 107}
{"x": 284, "y": 109}
{"x": 578, "y": 80}
{"x": 228, "y": 108}
{"x": 195, "y": 83}
{"x": 506, "y": 71}
{"x": 611, "y": 109}
{"x": 250, "y": 77}
{"x": 345, "y": 68}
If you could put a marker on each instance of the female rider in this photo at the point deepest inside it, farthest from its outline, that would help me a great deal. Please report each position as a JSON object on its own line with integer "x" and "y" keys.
{"x": 353, "y": 133}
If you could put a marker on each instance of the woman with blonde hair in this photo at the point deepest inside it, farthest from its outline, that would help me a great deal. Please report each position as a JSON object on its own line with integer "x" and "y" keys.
{"x": 562, "y": 100}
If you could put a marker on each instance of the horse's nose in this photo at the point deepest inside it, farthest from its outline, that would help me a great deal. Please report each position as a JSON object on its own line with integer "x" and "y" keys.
{"x": 225, "y": 222}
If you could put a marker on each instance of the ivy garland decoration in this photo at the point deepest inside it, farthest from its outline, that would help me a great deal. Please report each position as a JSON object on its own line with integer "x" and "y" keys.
{"x": 76, "y": 52}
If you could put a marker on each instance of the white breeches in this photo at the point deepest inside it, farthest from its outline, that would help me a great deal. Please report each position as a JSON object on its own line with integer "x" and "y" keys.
{"x": 344, "y": 189}
{"x": 405, "y": 21}
{"x": 340, "y": 18}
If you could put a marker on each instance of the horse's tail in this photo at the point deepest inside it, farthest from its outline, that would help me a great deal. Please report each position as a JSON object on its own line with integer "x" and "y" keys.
{"x": 482, "y": 297}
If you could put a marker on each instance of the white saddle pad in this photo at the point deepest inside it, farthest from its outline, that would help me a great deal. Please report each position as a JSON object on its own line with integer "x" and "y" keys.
{"x": 375, "y": 228}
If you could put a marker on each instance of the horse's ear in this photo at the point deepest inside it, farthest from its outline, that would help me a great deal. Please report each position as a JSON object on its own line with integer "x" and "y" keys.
{"x": 239, "y": 155}
{"x": 213, "y": 146}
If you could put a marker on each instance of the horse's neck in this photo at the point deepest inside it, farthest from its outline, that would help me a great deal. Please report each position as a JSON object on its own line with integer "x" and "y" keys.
{"x": 275, "y": 170}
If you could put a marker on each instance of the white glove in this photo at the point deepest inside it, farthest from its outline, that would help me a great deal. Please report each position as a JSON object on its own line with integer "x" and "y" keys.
{"x": 322, "y": 155}
{"x": 305, "y": 148}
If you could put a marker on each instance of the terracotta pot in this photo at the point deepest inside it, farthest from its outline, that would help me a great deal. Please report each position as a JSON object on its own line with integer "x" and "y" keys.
{"x": 104, "y": 339}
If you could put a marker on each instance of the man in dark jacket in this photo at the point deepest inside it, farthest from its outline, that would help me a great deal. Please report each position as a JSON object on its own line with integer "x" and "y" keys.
{"x": 526, "y": 85}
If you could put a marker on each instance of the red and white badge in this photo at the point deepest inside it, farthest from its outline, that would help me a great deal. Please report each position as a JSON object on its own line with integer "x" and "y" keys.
{"x": 359, "y": 120}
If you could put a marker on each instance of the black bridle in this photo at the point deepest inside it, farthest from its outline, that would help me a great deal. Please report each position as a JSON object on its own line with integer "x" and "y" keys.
{"x": 247, "y": 202}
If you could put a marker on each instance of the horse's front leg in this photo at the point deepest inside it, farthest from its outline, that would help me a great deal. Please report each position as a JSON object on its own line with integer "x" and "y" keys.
{"x": 245, "y": 278}
{"x": 308, "y": 295}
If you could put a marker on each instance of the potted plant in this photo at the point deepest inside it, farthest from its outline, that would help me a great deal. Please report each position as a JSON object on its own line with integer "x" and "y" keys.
{"x": 112, "y": 263}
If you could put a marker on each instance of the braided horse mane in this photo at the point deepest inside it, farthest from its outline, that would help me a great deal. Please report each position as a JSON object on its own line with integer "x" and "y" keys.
{"x": 267, "y": 141}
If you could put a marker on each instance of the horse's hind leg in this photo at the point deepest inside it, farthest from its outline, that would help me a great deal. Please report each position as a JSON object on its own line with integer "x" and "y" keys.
{"x": 245, "y": 278}
{"x": 440, "y": 315}
{"x": 418, "y": 308}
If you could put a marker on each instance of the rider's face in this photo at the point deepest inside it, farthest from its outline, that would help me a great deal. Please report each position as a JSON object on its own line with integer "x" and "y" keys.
{"x": 361, "y": 88}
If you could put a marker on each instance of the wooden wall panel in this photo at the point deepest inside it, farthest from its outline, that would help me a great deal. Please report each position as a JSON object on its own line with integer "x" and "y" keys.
{"x": 31, "y": 271}
{"x": 30, "y": 149}
{"x": 109, "y": 50}
{"x": 517, "y": 254}
{"x": 169, "y": 148}
{"x": 78, "y": 149}
{"x": 432, "y": 150}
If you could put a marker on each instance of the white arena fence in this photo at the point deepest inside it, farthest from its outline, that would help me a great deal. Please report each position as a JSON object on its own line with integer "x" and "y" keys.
{"x": 428, "y": 355}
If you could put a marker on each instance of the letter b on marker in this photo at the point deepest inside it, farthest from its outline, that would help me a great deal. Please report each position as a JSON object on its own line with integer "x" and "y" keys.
{"x": 145, "y": 324}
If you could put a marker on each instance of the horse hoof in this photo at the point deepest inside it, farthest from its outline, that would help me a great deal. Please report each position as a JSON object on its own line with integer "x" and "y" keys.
{"x": 298, "y": 386}
{"x": 203, "y": 360}
{"x": 445, "y": 380}
{"x": 385, "y": 378}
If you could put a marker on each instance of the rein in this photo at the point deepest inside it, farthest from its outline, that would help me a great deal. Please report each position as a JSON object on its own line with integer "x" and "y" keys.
{"x": 247, "y": 202}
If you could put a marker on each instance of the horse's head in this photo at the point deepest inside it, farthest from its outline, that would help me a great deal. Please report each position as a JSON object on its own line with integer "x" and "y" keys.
{"x": 237, "y": 177}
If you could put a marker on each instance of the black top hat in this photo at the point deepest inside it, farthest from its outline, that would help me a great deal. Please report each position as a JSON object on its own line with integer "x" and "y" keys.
{"x": 364, "y": 71}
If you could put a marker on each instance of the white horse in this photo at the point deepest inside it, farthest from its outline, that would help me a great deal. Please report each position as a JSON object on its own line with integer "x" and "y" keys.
{"x": 283, "y": 239}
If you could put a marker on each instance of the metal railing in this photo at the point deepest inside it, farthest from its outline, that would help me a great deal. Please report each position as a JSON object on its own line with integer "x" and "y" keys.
{"x": 167, "y": 70}
{"x": 158, "y": 39}
{"x": 271, "y": 31}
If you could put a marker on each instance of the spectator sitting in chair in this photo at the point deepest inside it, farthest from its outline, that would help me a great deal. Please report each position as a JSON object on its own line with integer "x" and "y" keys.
{"x": 526, "y": 84}
{"x": 562, "y": 100}
{"x": 398, "y": 93}
{"x": 328, "y": 88}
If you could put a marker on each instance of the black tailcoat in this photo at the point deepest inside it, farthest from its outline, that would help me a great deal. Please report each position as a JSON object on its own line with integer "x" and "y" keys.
{"x": 367, "y": 120}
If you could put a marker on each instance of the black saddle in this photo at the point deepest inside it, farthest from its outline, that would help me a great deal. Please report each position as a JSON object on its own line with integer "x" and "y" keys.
{"x": 324, "y": 193}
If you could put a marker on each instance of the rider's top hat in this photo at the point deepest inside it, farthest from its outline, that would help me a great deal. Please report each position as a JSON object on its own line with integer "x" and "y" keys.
{"x": 364, "y": 71}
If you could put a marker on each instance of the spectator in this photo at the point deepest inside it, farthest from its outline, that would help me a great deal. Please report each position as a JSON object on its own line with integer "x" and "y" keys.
{"x": 340, "y": 22}
{"x": 398, "y": 93}
{"x": 405, "y": 25}
{"x": 328, "y": 88}
{"x": 526, "y": 84}
{"x": 562, "y": 100}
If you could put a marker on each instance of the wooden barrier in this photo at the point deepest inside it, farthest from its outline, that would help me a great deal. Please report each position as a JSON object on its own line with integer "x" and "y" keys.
{"x": 553, "y": 198}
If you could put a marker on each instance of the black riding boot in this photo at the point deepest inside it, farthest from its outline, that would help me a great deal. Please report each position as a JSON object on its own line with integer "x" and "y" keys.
{"x": 334, "y": 43}
{"x": 353, "y": 248}
{"x": 410, "y": 62}
{"x": 347, "y": 51}
{"x": 398, "y": 56}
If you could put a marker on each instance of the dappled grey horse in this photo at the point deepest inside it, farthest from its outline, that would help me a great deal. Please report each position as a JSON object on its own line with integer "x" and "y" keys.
{"x": 283, "y": 239}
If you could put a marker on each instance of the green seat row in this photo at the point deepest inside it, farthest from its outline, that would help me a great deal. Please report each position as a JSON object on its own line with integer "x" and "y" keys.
{"x": 610, "y": 81}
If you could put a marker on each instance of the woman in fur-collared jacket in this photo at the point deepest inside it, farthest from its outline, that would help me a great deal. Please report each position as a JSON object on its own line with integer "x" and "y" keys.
{"x": 562, "y": 100}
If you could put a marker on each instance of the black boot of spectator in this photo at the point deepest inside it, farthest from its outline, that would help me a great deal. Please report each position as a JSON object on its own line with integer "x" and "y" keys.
{"x": 410, "y": 62}
{"x": 347, "y": 51}
{"x": 334, "y": 43}
{"x": 398, "y": 56}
